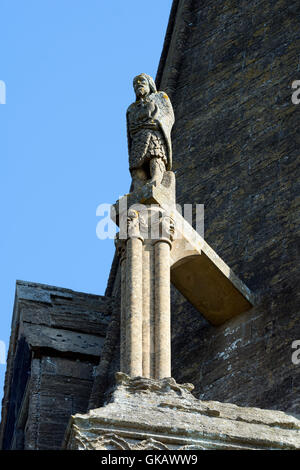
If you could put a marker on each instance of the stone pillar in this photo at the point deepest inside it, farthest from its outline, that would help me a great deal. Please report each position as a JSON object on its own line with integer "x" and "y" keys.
{"x": 163, "y": 299}
{"x": 145, "y": 336}
{"x": 134, "y": 297}
{"x": 162, "y": 310}
{"x": 121, "y": 247}
{"x": 147, "y": 291}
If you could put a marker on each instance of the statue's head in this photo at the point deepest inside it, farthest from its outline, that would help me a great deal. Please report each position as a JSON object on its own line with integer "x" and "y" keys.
{"x": 143, "y": 85}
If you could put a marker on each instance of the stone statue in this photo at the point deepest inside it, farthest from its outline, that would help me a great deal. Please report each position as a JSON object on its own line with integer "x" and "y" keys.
{"x": 149, "y": 122}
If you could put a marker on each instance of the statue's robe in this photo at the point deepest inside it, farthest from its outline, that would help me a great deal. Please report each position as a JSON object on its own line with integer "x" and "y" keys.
{"x": 161, "y": 118}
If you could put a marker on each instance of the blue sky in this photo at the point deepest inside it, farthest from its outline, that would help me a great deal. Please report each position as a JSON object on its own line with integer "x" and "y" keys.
{"x": 68, "y": 66}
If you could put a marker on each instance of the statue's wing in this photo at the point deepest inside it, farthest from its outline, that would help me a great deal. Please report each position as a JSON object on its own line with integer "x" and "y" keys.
{"x": 166, "y": 120}
{"x": 129, "y": 140}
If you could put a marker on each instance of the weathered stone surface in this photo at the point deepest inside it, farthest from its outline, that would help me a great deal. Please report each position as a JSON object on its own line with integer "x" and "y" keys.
{"x": 228, "y": 71}
{"x": 62, "y": 308}
{"x": 56, "y": 342}
{"x": 104, "y": 376}
{"x": 150, "y": 414}
{"x": 56, "y": 387}
{"x": 62, "y": 340}
{"x": 246, "y": 361}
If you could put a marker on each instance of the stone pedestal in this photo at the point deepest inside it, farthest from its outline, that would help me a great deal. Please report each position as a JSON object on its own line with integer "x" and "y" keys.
{"x": 146, "y": 414}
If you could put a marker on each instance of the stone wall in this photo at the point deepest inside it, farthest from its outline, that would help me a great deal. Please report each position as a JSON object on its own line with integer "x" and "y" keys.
{"x": 56, "y": 343}
{"x": 228, "y": 67}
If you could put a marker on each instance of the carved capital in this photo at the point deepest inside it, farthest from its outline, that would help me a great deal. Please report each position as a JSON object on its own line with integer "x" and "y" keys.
{"x": 166, "y": 230}
{"x": 156, "y": 224}
{"x": 133, "y": 224}
{"x": 168, "y": 227}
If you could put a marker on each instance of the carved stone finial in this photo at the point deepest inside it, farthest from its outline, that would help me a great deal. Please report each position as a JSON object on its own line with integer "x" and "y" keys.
{"x": 149, "y": 122}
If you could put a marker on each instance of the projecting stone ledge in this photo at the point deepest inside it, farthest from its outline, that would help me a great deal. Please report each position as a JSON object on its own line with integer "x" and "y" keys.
{"x": 196, "y": 270}
{"x": 161, "y": 414}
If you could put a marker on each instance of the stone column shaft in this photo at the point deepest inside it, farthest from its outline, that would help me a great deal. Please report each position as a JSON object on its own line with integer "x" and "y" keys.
{"x": 123, "y": 354}
{"x": 134, "y": 289}
{"x": 148, "y": 311}
{"x": 162, "y": 310}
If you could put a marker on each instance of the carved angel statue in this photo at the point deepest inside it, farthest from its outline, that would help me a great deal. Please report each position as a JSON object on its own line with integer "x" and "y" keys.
{"x": 149, "y": 122}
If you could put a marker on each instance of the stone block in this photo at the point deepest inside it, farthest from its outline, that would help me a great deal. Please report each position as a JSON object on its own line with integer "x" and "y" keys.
{"x": 146, "y": 414}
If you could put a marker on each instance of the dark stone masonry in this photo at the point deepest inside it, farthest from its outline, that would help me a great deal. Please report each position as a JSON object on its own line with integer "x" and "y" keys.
{"x": 228, "y": 68}
{"x": 56, "y": 341}
{"x": 236, "y": 148}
